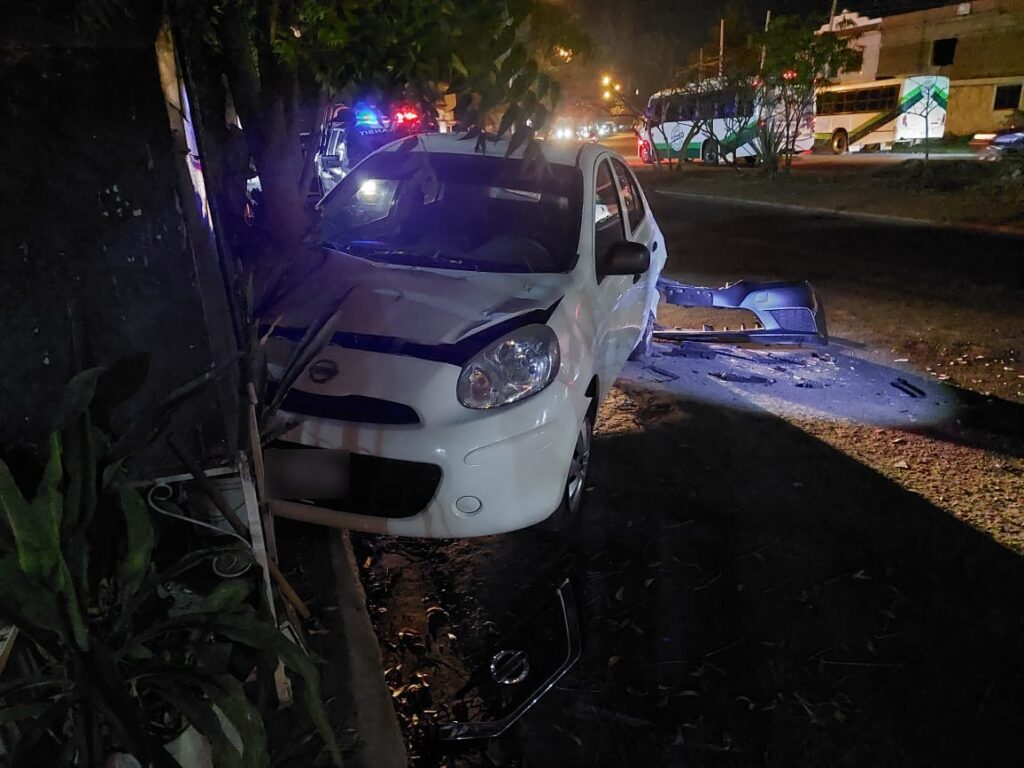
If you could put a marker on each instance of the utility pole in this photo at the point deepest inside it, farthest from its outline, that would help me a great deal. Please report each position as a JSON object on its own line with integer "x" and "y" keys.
{"x": 721, "y": 46}
{"x": 832, "y": 18}
{"x": 767, "y": 21}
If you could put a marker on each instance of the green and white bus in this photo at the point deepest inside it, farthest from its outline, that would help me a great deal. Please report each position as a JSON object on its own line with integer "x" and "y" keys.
{"x": 852, "y": 116}
{"x": 726, "y": 123}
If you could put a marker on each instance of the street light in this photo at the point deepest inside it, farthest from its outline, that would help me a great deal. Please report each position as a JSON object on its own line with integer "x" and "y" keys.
{"x": 618, "y": 87}
{"x": 606, "y": 95}
{"x": 606, "y": 80}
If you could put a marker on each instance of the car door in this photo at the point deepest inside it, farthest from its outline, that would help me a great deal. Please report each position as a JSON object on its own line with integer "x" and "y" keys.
{"x": 640, "y": 228}
{"x": 619, "y": 300}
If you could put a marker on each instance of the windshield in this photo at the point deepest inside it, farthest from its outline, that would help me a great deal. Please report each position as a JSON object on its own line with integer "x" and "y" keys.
{"x": 467, "y": 212}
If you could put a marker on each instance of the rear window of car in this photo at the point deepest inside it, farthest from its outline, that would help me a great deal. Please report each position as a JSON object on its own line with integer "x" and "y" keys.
{"x": 470, "y": 212}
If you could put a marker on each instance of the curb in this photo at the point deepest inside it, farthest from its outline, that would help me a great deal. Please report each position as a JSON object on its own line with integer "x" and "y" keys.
{"x": 381, "y": 744}
{"x": 855, "y": 215}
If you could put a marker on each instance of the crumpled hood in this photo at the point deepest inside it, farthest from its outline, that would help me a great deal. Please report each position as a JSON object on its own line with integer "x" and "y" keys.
{"x": 412, "y": 304}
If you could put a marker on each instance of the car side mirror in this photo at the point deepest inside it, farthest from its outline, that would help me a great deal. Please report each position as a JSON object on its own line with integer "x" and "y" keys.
{"x": 624, "y": 258}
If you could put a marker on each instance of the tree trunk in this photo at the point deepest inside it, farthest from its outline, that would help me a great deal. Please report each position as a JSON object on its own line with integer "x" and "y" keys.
{"x": 306, "y": 176}
{"x": 263, "y": 101}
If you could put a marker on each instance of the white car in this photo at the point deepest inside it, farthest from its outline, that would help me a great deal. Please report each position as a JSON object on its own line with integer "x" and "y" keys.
{"x": 489, "y": 306}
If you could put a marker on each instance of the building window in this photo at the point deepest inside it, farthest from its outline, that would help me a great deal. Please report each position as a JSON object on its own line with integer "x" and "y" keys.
{"x": 943, "y": 51}
{"x": 1007, "y": 96}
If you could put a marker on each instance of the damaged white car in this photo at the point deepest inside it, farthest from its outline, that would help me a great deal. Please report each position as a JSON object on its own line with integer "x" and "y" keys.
{"x": 488, "y": 309}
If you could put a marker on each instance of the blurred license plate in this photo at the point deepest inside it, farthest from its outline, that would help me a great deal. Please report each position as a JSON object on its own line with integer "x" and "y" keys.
{"x": 307, "y": 473}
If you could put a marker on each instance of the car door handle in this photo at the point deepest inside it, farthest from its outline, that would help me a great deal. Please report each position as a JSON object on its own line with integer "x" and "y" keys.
{"x": 654, "y": 247}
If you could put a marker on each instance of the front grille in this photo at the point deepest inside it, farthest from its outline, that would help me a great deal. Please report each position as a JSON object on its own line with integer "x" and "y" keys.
{"x": 356, "y": 408}
{"x": 797, "y": 320}
{"x": 379, "y": 487}
{"x": 390, "y": 487}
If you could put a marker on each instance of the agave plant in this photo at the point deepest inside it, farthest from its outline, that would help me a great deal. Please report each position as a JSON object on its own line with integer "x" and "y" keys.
{"x": 115, "y": 670}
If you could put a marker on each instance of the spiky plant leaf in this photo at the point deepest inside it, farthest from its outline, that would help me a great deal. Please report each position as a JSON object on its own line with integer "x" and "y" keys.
{"x": 134, "y": 565}
{"x": 262, "y": 637}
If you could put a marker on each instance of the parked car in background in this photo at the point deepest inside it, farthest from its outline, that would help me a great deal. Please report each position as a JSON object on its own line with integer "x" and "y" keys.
{"x": 351, "y": 133}
{"x": 488, "y": 309}
{"x": 996, "y": 146}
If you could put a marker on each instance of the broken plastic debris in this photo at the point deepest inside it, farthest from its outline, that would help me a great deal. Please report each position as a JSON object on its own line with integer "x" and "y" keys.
{"x": 907, "y": 388}
{"x": 740, "y": 378}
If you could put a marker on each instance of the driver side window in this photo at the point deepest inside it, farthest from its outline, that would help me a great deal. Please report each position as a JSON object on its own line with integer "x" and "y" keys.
{"x": 608, "y": 224}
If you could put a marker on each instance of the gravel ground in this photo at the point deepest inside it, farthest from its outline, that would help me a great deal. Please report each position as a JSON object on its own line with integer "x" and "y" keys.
{"x": 750, "y": 596}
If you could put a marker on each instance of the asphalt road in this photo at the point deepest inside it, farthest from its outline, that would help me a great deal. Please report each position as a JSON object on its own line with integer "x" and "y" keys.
{"x": 750, "y": 595}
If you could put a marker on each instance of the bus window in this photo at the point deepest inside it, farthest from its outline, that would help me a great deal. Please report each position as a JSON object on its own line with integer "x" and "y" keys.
{"x": 688, "y": 106}
{"x": 672, "y": 109}
{"x": 707, "y": 105}
{"x": 656, "y": 108}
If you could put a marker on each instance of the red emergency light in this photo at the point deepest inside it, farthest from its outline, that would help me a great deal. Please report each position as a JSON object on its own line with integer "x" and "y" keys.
{"x": 406, "y": 115}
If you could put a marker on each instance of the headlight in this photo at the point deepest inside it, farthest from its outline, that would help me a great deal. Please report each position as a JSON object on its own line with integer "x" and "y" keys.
{"x": 514, "y": 367}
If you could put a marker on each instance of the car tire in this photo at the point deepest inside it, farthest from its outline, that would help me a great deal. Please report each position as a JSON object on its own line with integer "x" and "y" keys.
{"x": 710, "y": 152}
{"x": 642, "y": 351}
{"x": 576, "y": 479}
{"x": 840, "y": 142}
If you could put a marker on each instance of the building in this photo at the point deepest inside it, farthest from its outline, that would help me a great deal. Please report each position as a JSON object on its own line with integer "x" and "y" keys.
{"x": 865, "y": 34}
{"x": 978, "y": 45}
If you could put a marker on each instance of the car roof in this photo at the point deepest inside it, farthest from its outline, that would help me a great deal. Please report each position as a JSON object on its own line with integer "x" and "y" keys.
{"x": 571, "y": 153}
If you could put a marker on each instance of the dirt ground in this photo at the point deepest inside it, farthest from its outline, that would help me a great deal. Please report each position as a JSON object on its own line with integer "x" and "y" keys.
{"x": 786, "y": 557}
{"x": 750, "y": 596}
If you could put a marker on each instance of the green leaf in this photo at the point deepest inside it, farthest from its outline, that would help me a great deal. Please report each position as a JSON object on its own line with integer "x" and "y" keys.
{"x": 237, "y": 708}
{"x": 13, "y": 506}
{"x": 110, "y": 696}
{"x": 24, "y": 750}
{"x": 83, "y": 445}
{"x": 264, "y": 637}
{"x": 25, "y": 601}
{"x": 78, "y": 394}
{"x": 508, "y": 119}
{"x": 228, "y": 594}
{"x": 134, "y": 566}
{"x": 200, "y": 714}
{"x": 23, "y": 712}
{"x": 37, "y": 536}
{"x": 459, "y": 66}
{"x": 182, "y": 565}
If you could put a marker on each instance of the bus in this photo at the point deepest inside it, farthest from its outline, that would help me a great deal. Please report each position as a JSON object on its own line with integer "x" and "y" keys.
{"x": 851, "y": 116}
{"x": 727, "y": 123}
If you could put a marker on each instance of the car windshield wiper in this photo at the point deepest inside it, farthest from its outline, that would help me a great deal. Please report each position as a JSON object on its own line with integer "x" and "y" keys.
{"x": 373, "y": 250}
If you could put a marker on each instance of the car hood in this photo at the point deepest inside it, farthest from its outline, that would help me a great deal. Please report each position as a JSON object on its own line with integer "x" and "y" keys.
{"x": 427, "y": 307}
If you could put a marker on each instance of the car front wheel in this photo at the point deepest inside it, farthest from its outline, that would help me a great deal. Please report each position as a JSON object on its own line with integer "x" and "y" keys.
{"x": 576, "y": 479}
